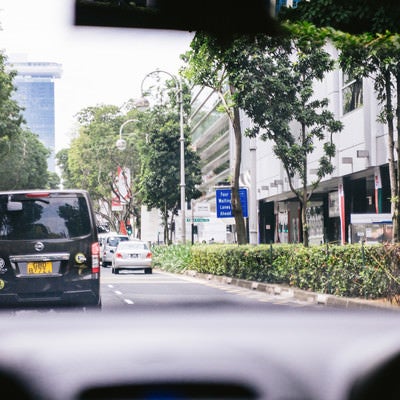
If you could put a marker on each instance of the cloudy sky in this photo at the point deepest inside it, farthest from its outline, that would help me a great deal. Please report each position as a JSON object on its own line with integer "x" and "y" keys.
{"x": 99, "y": 65}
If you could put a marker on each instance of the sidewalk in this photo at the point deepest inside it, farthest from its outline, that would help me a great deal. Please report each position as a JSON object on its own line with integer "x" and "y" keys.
{"x": 298, "y": 294}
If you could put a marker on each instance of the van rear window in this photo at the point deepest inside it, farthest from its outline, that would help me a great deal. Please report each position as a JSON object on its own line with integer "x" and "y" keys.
{"x": 50, "y": 217}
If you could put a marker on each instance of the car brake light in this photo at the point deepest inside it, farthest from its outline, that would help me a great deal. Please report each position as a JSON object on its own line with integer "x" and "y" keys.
{"x": 95, "y": 257}
{"x": 37, "y": 195}
{"x": 148, "y": 255}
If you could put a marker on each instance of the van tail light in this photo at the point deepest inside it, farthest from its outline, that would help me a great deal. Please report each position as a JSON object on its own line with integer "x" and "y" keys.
{"x": 118, "y": 255}
{"x": 95, "y": 258}
{"x": 37, "y": 195}
{"x": 148, "y": 255}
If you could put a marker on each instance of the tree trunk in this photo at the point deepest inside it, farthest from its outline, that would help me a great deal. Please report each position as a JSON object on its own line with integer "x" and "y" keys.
{"x": 304, "y": 217}
{"x": 164, "y": 217}
{"x": 396, "y": 216}
{"x": 391, "y": 157}
{"x": 236, "y": 205}
{"x": 305, "y": 195}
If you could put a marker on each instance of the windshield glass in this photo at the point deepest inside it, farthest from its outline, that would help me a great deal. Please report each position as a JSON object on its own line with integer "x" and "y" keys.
{"x": 191, "y": 213}
{"x": 263, "y": 154}
{"x": 46, "y": 218}
{"x": 131, "y": 245}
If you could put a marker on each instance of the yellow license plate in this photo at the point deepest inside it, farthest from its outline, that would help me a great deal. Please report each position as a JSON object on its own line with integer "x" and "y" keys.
{"x": 40, "y": 267}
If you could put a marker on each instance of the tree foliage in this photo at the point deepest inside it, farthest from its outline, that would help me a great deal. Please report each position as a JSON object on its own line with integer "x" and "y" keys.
{"x": 92, "y": 161}
{"x": 377, "y": 56}
{"x": 24, "y": 163}
{"x": 207, "y": 65}
{"x": 10, "y": 112}
{"x": 152, "y": 156}
{"x": 355, "y": 17}
{"x": 274, "y": 78}
{"x": 368, "y": 48}
{"x": 23, "y": 157}
{"x": 159, "y": 151}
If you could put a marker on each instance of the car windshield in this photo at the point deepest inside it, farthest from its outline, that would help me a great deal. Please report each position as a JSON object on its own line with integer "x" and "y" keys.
{"x": 230, "y": 169}
{"x": 188, "y": 132}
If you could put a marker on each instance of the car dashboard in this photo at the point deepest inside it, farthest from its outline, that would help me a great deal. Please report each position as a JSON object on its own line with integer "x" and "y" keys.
{"x": 211, "y": 352}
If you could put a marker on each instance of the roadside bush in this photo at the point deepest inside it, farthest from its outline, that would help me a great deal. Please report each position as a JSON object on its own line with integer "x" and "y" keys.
{"x": 368, "y": 271}
{"x": 174, "y": 258}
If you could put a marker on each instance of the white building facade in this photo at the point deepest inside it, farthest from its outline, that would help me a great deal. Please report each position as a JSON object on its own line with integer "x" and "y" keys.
{"x": 353, "y": 203}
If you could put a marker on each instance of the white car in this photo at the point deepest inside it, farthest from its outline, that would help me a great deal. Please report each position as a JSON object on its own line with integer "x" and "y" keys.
{"x": 108, "y": 244}
{"x": 132, "y": 254}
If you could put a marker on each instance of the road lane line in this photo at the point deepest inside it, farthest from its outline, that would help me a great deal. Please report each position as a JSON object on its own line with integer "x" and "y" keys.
{"x": 119, "y": 293}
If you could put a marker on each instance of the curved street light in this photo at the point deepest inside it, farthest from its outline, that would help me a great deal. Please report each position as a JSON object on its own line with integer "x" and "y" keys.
{"x": 121, "y": 143}
{"x": 179, "y": 96}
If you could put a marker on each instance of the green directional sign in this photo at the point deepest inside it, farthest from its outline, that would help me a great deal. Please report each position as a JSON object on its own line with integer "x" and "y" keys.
{"x": 198, "y": 219}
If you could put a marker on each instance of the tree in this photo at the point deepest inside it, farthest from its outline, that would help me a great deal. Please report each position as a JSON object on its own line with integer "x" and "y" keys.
{"x": 368, "y": 48}
{"x": 23, "y": 157}
{"x": 207, "y": 66}
{"x": 92, "y": 160}
{"x": 24, "y": 163}
{"x": 62, "y": 163}
{"x": 377, "y": 56}
{"x": 53, "y": 181}
{"x": 370, "y": 15}
{"x": 274, "y": 79}
{"x": 10, "y": 112}
{"x": 159, "y": 149}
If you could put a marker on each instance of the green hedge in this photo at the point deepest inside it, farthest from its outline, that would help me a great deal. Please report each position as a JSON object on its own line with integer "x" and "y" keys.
{"x": 369, "y": 271}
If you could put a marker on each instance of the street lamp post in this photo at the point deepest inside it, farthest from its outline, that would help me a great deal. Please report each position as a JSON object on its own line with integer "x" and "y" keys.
{"x": 121, "y": 143}
{"x": 253, "y": 193}
{"x": 179, "y": 96}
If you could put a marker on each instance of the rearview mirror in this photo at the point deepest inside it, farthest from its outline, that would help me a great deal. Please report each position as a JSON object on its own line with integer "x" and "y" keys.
{"x": 221, "y": 17}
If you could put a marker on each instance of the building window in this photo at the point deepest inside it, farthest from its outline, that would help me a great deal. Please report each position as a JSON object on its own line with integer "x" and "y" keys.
{"x": 352, "y": 93}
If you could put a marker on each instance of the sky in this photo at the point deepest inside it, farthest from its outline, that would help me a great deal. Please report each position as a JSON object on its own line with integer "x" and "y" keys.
{"x": 99, "y": 65}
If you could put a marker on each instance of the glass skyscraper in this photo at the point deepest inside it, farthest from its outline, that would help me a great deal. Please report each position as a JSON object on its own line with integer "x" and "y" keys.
{"x": 35, "y": 93}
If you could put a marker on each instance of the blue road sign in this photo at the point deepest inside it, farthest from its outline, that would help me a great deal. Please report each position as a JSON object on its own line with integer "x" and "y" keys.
{"x": 224, "y": 202}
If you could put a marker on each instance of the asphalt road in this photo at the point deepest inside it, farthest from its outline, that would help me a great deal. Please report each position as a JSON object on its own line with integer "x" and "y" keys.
{"x": 134, "y": 288}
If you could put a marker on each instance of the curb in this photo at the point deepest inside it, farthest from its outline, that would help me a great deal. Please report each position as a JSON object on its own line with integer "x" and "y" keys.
{"x": 298, "y": 294}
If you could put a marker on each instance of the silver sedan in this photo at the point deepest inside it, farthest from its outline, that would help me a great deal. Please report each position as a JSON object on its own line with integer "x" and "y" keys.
{"x": 132, "y": 255}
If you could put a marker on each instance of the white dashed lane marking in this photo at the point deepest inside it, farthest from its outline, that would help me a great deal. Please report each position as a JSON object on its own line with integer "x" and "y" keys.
{"x": 120, "y": 294}
{"x": 257, "y": 296}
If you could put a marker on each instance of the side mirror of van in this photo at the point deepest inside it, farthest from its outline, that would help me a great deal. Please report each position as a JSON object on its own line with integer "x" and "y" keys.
{"x": 14, "y": 206}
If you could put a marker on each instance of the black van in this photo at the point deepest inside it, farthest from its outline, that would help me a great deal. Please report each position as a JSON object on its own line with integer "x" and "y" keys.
{"x": 49, "y": 251}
